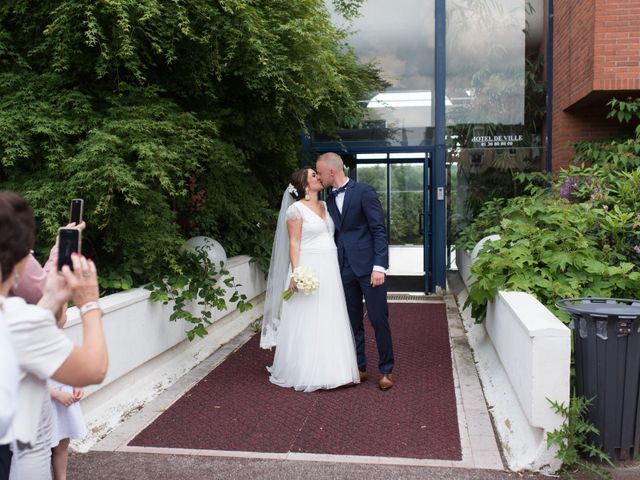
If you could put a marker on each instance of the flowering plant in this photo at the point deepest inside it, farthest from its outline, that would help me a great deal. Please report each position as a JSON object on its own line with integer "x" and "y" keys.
{"x": 306, "y": 280}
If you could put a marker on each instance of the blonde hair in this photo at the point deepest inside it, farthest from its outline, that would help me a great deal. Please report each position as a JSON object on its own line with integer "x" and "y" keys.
{"x": 332, "y": 160}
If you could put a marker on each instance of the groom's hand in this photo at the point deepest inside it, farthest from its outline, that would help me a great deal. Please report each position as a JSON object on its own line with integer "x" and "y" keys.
{"x": 377, "y": 278}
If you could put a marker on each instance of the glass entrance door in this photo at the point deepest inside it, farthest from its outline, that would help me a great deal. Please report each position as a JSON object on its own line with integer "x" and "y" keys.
{"x": 399, "y": 180}
{"x": 406, "y": 218}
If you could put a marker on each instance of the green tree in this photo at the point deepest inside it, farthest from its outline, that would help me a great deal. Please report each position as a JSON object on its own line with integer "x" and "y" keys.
{"x": 171, "y": 118}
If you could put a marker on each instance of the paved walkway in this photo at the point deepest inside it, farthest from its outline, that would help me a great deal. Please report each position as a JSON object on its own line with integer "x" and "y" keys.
{"x": 115, "y": 458}
{"x": 140, "y": 466}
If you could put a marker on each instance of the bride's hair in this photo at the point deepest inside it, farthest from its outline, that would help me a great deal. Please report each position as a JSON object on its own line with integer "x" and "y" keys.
{"x": 299, "y": 182}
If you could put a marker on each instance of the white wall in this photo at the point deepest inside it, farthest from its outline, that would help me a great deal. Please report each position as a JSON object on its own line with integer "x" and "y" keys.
{"x": 523, "y": 356}
{"x": 534, "y": 347}
{"x": 147, "y": 352}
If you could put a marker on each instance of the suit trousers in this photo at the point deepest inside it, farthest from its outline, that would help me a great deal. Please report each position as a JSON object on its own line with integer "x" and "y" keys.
{"x": 355, "y": 288}
{"x": 5, "y": 461}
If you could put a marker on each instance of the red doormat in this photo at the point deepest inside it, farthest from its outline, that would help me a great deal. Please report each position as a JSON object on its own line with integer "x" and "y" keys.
{"x": 236, "y": 408}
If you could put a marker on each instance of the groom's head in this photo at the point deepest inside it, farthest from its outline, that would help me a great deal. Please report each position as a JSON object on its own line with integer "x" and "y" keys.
{"x": 330, "y": 169}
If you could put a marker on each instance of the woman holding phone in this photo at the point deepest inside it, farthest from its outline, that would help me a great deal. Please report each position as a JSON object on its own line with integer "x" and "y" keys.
{"x": 31, "y": 284}
{"x": 68, "y": 421}
{"x": 42, "y": 350}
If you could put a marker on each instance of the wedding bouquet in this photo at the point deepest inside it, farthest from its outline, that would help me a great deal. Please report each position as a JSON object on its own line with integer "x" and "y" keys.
{"x": 306, "y": 281}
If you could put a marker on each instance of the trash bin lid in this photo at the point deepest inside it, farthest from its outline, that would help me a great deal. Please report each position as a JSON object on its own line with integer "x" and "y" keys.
{"x": 623, "y": 307}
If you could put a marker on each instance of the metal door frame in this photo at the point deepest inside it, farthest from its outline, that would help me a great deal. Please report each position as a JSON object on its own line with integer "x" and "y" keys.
{"x": 427, "y": 236}
{"x": 427, "y": 233}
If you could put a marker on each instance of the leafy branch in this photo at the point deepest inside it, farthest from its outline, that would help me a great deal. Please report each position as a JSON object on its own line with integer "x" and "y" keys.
{"x": 201, "y": 289}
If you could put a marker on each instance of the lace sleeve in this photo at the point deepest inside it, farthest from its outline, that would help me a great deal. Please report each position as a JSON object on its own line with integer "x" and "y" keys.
{"x": 293, "y": 213}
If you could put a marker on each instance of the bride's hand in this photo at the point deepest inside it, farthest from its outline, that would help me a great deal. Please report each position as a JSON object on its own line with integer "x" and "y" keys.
{"x": 292, "y": 285}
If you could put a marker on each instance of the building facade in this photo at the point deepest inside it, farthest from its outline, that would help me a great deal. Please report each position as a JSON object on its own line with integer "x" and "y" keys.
{"x": 479, "y": 89}
{"x": 596, "y": 57}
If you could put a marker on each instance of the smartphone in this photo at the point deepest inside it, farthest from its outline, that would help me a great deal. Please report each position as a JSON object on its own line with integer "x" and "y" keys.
{"x": 77, "y": 210}
{"x": 70, "y": 242}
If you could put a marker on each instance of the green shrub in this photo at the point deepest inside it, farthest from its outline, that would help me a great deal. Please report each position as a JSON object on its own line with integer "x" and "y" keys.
{"x": 171, "y": 119}
{"x": 203, "y": 285}
{"x": 551, "y": 248}
{"x": 580, "y": 237}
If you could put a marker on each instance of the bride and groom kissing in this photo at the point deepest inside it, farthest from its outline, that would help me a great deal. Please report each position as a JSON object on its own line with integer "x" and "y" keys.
{"x": 320, "y": 338}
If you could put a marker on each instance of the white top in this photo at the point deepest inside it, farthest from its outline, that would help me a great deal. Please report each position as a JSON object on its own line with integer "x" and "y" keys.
{"x": 41, "y": 348}
{"x": 8, "y": 378}
{"x": 317, "y": 232}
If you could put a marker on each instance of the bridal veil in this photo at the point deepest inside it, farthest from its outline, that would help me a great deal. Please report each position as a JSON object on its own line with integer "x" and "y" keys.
{"x": 278, "y": 278}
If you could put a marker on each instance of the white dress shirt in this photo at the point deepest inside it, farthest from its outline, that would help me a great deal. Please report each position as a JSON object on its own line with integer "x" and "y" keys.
{"x": 340, "y": 197}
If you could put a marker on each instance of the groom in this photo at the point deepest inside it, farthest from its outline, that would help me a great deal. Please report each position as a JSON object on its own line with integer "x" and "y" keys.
{"x": 363, "y": 254}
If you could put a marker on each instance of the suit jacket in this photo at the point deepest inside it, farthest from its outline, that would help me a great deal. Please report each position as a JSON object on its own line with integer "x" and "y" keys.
{"x": 361, "y": 235}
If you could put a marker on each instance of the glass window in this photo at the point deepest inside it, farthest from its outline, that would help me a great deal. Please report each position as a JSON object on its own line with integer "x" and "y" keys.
{"x": 496, "y": 101}
{"x": 485, "y": 52}
{"x": 400, "y": 37}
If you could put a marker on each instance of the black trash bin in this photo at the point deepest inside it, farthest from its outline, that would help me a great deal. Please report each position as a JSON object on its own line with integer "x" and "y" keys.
{"x": 606, "y": 339}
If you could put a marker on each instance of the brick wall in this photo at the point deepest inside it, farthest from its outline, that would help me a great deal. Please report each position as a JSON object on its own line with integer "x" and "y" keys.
{"x": 617, "y": 45}
{"x": 596, "y": 57}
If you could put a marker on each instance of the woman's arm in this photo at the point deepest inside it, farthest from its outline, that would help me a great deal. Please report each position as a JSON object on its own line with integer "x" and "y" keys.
{"x": 86, "y": 364}
{"x": 294, "y": 227}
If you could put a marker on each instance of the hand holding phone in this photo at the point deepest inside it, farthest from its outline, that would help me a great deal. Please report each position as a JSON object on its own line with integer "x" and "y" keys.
{"x": 70, "y": 242}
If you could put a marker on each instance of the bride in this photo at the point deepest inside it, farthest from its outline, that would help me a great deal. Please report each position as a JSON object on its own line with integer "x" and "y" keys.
{"x": 312, "y": 334}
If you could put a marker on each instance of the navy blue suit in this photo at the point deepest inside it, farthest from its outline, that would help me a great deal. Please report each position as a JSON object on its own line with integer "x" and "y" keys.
{"x": 361, "y": 238}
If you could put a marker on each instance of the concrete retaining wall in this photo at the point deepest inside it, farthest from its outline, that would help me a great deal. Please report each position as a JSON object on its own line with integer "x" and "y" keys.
{"x": 523, "y": 357}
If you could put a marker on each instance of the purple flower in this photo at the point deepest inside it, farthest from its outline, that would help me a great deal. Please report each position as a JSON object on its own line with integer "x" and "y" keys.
{"x": 575, "y": 181}
{"x": 570, "y": 183}
{"x": 637, "y": 249}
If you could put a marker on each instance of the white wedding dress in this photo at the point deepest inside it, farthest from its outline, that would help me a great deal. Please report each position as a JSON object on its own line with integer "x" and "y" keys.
{"x": 314, "y": 344}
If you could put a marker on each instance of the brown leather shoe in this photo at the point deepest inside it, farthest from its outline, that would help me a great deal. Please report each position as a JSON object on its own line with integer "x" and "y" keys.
{"x": 363, "y": 376}
{"x": 386, "y": 381}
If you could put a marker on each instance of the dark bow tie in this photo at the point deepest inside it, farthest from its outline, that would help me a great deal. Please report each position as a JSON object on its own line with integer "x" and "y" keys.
{"x": 337, "y": 191}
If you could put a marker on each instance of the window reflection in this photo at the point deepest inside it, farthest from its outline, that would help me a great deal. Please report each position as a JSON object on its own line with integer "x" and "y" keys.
{"x": 400, "y": 37}
{"x": 485, "y": 61}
